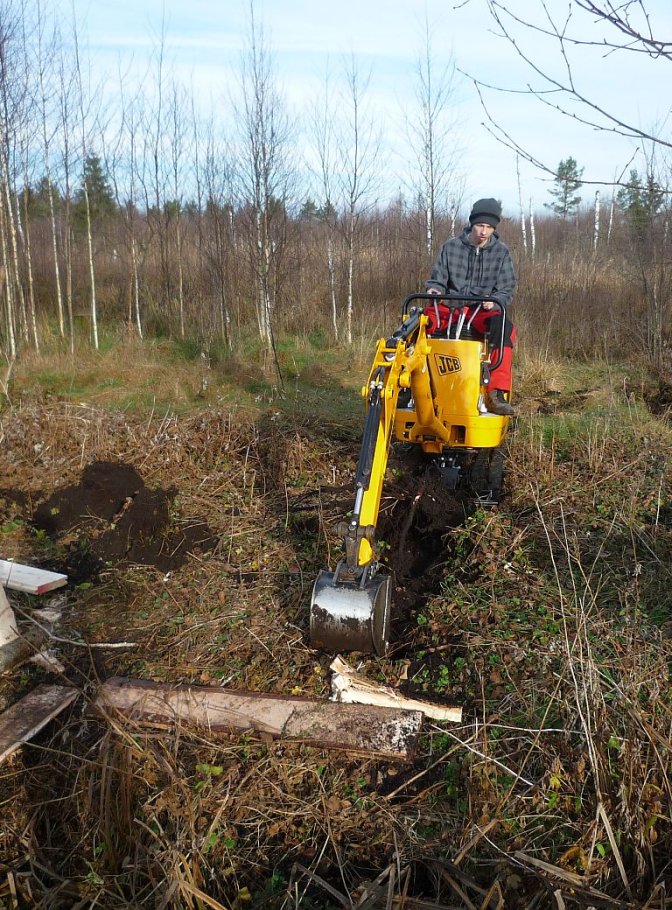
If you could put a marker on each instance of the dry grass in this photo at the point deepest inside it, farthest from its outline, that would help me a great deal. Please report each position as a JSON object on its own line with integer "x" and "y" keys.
{"x": 549, "y": 630}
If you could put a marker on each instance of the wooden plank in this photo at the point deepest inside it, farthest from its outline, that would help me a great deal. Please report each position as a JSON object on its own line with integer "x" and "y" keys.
{"x": 18, "y": 577}
{"x": 388, "y": 732}
{"x": 351, "y": 687}
{"x": 26, "y": 717}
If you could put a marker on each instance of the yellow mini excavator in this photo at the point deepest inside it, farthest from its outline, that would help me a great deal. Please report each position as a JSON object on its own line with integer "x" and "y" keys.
{"x": 427, "y": 386}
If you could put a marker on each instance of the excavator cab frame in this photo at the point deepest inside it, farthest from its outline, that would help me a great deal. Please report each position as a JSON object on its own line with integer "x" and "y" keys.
{"x": 427, "y": 387}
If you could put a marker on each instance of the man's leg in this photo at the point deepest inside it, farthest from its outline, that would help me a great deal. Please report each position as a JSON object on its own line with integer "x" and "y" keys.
{"x": 500, "y": 376}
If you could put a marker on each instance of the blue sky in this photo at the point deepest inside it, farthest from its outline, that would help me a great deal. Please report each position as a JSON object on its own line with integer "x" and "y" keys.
{"x": 204, "y": 41}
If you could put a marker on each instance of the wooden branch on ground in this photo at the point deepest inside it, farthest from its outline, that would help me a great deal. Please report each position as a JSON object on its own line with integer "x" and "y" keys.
{"x": 350, "y": 687}
{"x": 389, "y": 732}
{"x": 26, "y": 717}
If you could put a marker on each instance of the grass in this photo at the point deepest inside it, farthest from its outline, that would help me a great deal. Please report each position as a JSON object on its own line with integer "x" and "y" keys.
{"x": 549, "y": 628}
{"x": 184, "y": 375}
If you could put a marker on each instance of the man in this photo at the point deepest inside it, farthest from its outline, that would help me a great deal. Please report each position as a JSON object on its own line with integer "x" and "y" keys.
{"x": 477, "y": 262}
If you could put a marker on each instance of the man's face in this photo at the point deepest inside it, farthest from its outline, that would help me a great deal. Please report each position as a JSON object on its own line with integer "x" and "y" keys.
{"x": 481, "y": 233}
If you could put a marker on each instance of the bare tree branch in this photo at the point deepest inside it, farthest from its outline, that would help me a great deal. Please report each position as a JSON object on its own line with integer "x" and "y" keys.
{"x": 559, "y": 89}
{"x": 614, "y": 123}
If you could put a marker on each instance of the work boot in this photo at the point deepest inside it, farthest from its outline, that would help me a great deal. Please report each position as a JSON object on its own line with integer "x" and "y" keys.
{"x": 497, "y": 404}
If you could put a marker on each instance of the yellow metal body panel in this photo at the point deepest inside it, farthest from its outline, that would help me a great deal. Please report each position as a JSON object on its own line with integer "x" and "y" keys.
{"x": 449, "y": 395}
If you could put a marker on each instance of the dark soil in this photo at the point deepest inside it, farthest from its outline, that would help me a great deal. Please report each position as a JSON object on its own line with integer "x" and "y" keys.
{"x": 13, "y": 503}
{"x": 417, "y": 513}
{"x": 421, "y": 510}
{"x": 658, "y": 398}
{"x": 111, "y": 516}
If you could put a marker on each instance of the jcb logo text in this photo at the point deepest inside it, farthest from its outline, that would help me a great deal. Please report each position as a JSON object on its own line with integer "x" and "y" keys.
{"x": 447, "y": 364}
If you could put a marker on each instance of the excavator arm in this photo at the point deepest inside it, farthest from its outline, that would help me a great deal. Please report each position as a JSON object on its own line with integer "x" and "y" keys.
{"x": 391, "y": 371}
{"x": 350, "y": 607}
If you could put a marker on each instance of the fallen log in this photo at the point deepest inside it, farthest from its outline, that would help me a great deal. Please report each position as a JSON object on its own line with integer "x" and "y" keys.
{"x": 350, "y": 687}
{"x": 388, "y": 732}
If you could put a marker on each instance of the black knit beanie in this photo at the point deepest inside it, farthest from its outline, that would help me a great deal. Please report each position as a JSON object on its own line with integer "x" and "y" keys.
{"x": 486, "y": 211}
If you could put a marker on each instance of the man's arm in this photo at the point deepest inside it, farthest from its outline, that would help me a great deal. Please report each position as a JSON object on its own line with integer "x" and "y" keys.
{"x": 506, "y": 280}
{"x": 439, "y": 281}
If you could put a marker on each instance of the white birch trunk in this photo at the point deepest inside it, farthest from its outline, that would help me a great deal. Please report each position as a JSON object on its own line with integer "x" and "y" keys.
{"x": 54, "y": 250}
{"x": 92, "y": 271}
{"x": 429, "y": 236}
{"x": 24, "y": 233}
{"x": 180, "y": 273}
{"x": 351, "y": 272}
{"x": 523, "y": 227}
{"x": 135, "y": 285}
{"x": 262, "y": 308}
{"x": 13, "y": 274}
{"x": 611, "y": 218}
{"x": 10, "y": 316}
{"x": 332, "y": 285}
{"x": 68, "y": 277}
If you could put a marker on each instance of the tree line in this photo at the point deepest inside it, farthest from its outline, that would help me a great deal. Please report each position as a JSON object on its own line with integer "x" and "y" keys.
{"x": 153, "y": 219}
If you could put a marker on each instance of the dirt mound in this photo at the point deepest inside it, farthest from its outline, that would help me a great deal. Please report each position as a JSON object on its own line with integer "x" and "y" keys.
{"x": 111, "y": 516}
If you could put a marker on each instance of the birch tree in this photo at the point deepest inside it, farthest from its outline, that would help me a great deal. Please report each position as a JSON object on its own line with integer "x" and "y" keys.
{"x": 48, "y": 48}
{"x": 83, "y": 96}
{"x": 13, "y": 80}
{"x": 359, "y": 155}
{"x": 432, "y": 136}
{"x": 154, "y": 177}
{"x": 219, "y": 237}
{"x": 121, "y": 158}
{"x": 264, "y": 172}
{"x": 322, "y": 137}
{"x": 178, "y": 130}
{"x": 555, "y": 41}
{"x": 67, "y": 124}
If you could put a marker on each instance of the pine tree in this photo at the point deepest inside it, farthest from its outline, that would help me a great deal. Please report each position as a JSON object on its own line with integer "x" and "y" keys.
{"x": 37, "y": 199}
{"x": 565, "y": 191}
{"x": 640, "y": 202}
{"x": 101, "y": 197}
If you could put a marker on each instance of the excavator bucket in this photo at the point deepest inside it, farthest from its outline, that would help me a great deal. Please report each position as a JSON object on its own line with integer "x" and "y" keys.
{"x": 350, "y": 617}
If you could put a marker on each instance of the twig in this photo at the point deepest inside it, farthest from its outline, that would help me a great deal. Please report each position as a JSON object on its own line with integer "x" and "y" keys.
{"x": 614, "y": 847}
{"x": 495, "y": 761}
{"x": 337, "y": 895}
{"x": 471, "y": 843}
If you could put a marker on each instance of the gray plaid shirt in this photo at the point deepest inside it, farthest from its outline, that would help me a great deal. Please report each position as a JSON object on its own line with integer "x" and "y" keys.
{"x": 466, "y": 269}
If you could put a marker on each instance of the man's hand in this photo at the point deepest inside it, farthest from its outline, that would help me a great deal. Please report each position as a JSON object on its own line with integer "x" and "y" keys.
{"x": 435, "y": 291}
{"x": 488, "y": 305}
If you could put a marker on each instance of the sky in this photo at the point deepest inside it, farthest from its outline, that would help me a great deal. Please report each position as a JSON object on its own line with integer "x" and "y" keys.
{"x": 205, "y": 40}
